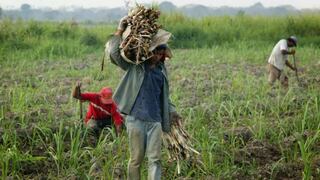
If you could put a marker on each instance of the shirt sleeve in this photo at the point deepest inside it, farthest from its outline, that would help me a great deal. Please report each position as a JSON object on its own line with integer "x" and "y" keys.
{"x": 89, "y": 97}
{"x": 116, "y": 116}
{"x": 115, "y": 55}
{"x": 283, "y": 45}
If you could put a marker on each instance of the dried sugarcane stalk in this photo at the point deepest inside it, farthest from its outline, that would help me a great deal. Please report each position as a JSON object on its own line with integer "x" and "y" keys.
{"x": 142, "y": 22}
{"x": 178, "y": 143}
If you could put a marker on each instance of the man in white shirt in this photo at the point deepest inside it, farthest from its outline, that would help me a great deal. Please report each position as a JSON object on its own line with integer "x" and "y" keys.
{"x": 279, "y": 58}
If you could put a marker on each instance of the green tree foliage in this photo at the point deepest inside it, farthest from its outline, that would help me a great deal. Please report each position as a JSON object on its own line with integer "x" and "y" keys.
{"x": 25, "y": 7}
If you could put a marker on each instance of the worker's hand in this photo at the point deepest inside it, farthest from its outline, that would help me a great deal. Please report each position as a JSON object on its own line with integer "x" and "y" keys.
{"x": 175, "y": 118}
{"x": 77, "y": 91}
{"x": 122, "y": 25}
{"x": 293, "y": 52}
{"x": 78, "y": 87}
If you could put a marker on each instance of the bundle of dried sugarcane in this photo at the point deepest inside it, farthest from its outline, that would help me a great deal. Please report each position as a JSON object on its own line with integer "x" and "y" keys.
{"x": 178, "y": 143}
{"x": 143, "y": 26}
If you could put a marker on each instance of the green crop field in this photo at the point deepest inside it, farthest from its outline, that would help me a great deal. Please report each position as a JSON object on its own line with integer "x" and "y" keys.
{"x": 243, "y": 128}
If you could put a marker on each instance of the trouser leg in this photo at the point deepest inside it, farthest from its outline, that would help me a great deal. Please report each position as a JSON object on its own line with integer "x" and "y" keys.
{"x": 274, "y": 74}
{"x": 96, "y": 126}
{"x": 284, "y": 81}
{"x": 93, "y": 127}
{"x": 93, "y": 132}
{"x": 154, "y": 135}
{"x": 105, "y": 123}
{"x": 137, "y": 140}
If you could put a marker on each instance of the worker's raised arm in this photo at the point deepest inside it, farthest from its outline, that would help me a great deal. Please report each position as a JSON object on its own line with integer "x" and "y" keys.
{"x": 113, "y": 46}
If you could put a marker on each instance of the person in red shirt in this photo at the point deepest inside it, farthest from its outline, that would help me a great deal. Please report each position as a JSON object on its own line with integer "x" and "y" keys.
{"x": 101, "y": 110}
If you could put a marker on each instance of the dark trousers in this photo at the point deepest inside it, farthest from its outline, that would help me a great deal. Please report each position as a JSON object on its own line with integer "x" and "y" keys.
{"x": 98, "y": 125}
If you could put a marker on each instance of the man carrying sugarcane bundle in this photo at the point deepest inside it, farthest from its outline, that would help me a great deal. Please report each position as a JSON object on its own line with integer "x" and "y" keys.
{"x": 101, "y": 110}
{"x": 143, "y": 97}
{"x": 279, "y": 58}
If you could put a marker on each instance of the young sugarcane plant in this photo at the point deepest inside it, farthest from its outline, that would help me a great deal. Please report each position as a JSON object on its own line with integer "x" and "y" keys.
{"x": 296, "y": 70}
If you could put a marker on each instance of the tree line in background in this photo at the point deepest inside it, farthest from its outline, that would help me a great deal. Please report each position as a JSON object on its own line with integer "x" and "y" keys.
{"x": 26, "y": 12}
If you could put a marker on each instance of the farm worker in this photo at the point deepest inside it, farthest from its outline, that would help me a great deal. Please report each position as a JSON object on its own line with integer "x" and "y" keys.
{"x": 279, "y": 58}
{"x": 101, "y": 109}
{"x": 143, "y": 96}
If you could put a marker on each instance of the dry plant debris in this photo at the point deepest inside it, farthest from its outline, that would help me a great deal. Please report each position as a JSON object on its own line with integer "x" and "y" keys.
{"x": 143, "y": 26}
{"x": 179, "y": 146}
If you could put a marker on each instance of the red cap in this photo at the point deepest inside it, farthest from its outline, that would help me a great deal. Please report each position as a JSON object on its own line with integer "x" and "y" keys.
{"x": 106, "y": 95}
